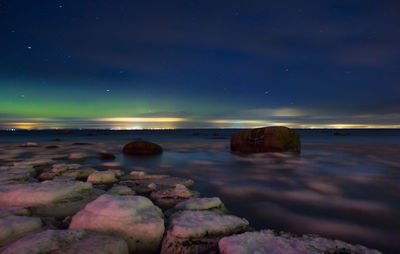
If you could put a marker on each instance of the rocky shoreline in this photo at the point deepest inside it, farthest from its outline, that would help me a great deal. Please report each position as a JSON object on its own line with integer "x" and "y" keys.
{"x": 51, "y": 202}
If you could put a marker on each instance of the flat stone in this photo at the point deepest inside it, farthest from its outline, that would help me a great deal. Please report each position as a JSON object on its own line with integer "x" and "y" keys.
{"x": 200, "y": 204}
{"x": 15, "y": 227}
{"x": 134, "y": 218}
{"x": 46, "y": 176}
{"x": 72, "y": 241}
{"x": 267, "y": 242}
{"x": 17, "y": 174}
{"x": 77, "y": 156}
{"x": 100, "y": 177}
{"x": 199, "y": 231}
{"x": 111, "y": 164}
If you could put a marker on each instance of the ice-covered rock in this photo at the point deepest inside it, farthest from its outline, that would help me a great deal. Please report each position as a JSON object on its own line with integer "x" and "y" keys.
{"x": 121, "y": 190}
{"x": 168, "y": 198}
{"x": 199, "y": 231}
{"x": 60, "y": 168}
{"x": 267, "y": 242}
{"x": 15, "y": 227}
{"x": 49, "y": 198}
{"x": 72, "y": 241}
{"x": 100, "y": 177}
{"x": 134, "y": 218}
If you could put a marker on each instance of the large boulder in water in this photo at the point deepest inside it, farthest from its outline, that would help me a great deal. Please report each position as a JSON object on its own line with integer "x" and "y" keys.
{"x": 267, "y": 139}
{"x": 141, "y": 147}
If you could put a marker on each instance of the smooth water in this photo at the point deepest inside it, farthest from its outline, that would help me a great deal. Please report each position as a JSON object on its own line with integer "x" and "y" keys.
{"x": 343, "y": 186}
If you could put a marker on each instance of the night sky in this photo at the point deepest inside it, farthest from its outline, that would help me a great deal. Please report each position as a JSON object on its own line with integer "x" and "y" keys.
{"x": 188, "y": 64}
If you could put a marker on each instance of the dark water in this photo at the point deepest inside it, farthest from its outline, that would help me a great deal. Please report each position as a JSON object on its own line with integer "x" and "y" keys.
{"x": 343, "y": 186}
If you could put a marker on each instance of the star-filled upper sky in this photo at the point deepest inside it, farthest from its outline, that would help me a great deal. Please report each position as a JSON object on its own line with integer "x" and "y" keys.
{"x": 204, "y": 63}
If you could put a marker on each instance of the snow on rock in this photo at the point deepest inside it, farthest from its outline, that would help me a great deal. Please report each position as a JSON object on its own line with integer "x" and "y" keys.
{"x": 72, "y": 241}
{"x": 60, "y": 168}
{"x": 170, "y": 197}
{"x": 49, "y": 198}
{"x": 134, "y": 218}
{"x": 100, "y": 177}
{"x": 199, "y": 231}
{"x": 15, "y": 227}
{"x": 267, "y": 242}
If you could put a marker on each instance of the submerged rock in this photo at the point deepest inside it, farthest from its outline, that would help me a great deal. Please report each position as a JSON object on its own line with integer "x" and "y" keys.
{"x": 141, "y": 147}
{"x": 15, "y": 227}
{"x": 79, "y": 174}
{"x": 267, "y": 139}
{"x": 17, "y": 174}
{"x": 267, "y": 242}
{"x": 194, "y": 232}
{"x": 134, "y": 218}
{"x": 200, "y": 204}
{"x": 106, "y": 156}
{"x": 77, "y": 156}
{"x": 60, "y": 168}
{"x": 72, "y": 241}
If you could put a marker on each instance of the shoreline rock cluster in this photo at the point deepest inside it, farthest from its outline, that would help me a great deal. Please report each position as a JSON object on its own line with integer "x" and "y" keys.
{"x": 53, "y": 206}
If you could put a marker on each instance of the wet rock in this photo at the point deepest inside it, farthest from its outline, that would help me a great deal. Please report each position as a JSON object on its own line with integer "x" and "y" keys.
{"x": 121, "y": 190}
{"x": 34, "y": 163}
{"x": 150, "y": 183}
{"x": 268, "y": 139}
{"x": 16, "y": 210}
{"x": 141, "y": 147}
{"x": 48, "y": 198}
{"x": 72, "y": 241}
{"x": 15, "y": 227}
{"x": 268, "y": 242}
{"x": 199, "y": 231}
{"x": 79, "y": 174}
{"x": 80, "y": 144}
{"x": 102, "y": 177}
{"x": 134, "y": 218}
{"x": 168, "y": 198}
{"x": 200, "y": 204}
{"x": 106, "y": 156}
{"x": 60, "y": 168}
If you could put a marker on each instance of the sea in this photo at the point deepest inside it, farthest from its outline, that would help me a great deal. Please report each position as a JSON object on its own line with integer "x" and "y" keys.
{"x": 345, "y": 184}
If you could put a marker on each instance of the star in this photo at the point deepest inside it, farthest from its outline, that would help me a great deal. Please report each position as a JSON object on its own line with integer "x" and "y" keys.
{"x": 266, "y": 92}
{"x": 29, "y": 47}
{"x": 287, "y": 69}
{"x": 60, "y": 6}
{"x": 22, "y": 95}
{"x": 107, "y": 90}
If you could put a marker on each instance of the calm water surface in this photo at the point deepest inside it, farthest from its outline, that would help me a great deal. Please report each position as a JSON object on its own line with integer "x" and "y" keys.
{"x": 345, "y": 187}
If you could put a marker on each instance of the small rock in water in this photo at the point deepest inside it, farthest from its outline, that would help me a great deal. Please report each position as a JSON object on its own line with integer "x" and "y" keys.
{"x": 200, "y": 204}
{"x": 79, "y": 174}
{"x": 111, "y": 164}
{"x": 142, "y": 147}
{"x": 192, "y": 232}
{"x": 267, "y": 242}
{"x": 134, "y": 218}
{"x": 46, "y": 176}
{"x": 168, "y": 198}
{"x": 100, "y": 177}
{"x": 71, "y": 241}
